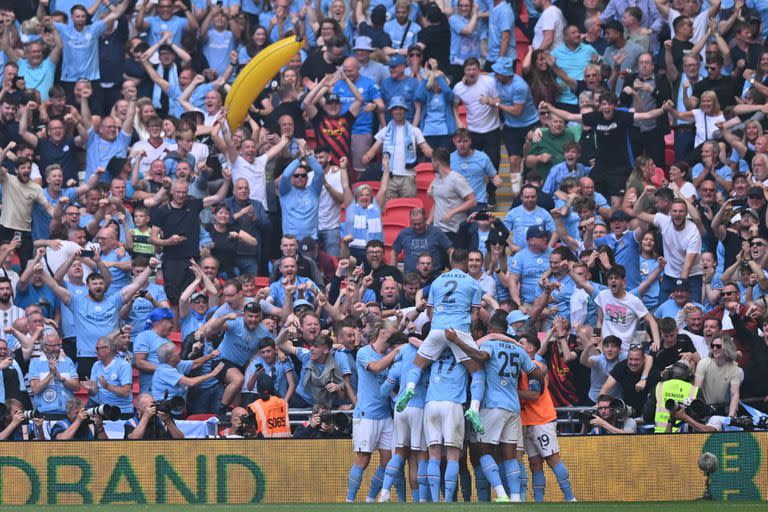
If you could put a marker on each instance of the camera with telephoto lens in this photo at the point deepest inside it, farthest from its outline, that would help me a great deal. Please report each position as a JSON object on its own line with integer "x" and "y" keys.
{"x": 249, "y": 419}
{"x": 695, "y": 408}
{"x": 34, "y": 414}
{"x": 587, "y": 415}
{"x": 106, "y": 411}
{"x": 340, "y": 422}
{"x": 621, "y": 410}
{"x": 170, "y": 405}
{"x": 743, "y": 422}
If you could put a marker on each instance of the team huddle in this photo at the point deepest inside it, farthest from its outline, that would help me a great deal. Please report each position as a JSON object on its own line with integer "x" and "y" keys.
{"x": 428, "y": 383}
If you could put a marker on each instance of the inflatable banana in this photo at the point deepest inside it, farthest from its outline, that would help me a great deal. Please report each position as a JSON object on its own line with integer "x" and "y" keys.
{"x": 255, "y": 75}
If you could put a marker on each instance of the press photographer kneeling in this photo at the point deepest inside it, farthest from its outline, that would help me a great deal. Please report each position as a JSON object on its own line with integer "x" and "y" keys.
{"x": 81, "y": 424}
{"x": 613, "y": 417}
{"x": 16, "y": 424}
{"x": 153, "y": 419}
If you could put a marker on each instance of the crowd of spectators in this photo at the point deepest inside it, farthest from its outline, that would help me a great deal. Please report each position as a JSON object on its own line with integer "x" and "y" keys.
{"x": 632, "y": 133}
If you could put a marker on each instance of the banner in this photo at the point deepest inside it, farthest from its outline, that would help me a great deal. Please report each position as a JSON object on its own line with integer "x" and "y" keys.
{"x": 661, "y": 467}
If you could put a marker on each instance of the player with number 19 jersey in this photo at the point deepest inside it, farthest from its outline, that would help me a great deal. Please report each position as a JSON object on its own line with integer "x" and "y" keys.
{"x": 452, "y": 296}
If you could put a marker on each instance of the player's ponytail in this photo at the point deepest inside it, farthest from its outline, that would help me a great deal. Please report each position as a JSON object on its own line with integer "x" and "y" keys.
{"x": 379, "y": 325}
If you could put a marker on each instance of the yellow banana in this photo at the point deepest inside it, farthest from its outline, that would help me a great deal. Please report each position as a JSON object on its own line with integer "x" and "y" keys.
{"x": 255, "y": 75}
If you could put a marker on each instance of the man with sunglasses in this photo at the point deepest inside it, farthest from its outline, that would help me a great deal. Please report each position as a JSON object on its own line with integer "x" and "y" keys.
{"x": 300, "y": 197}
{"x": 725, "y": 87}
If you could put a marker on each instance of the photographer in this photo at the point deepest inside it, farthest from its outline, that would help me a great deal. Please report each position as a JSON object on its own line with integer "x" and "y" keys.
{"x": 77, "y": 425}
{"x": 13, "y": 423}
{"x": 12, "y": 385}
{"x": 609, "y": 419}
{"x": 243, "y": 425}
{"x": 270, "y": 410}
{"x": 321, "y": 425}
{"x": 149, "y": 423}
{"x": 695, "y": 421}
{"x": 675, "y": 385}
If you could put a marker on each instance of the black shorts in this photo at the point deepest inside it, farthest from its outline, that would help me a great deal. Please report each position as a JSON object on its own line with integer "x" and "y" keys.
{"x": 514, "y": 138}
{"x": 609, "y": 181}
{"x": 227, "y": 365}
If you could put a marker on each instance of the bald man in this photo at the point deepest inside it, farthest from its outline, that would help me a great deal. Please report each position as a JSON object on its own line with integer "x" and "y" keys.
{"x": 362, "y": 130}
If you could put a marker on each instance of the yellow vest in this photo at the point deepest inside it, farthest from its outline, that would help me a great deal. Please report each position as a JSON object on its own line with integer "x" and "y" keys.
{"x": 676, "y": 389}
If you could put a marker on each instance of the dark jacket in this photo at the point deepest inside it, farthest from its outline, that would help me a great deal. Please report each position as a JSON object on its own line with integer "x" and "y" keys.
{"x": 661, "y": 93}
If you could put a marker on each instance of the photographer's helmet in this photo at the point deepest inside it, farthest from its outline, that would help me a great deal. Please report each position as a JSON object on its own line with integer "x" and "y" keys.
{"x": 678, "y": 370}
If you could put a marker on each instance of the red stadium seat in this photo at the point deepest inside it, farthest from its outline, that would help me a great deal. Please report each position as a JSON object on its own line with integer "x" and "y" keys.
{"x": 424, "y": 180}
{"x": 424, "y": 168}
{"x": 261, "y": 282}
{"x": 395, "y": 209}
{"x": 175, "y": 337}
{"x": 200, "y": 417}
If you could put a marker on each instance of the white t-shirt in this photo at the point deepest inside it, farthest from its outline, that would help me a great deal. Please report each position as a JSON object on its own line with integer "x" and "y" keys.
{"x": 705, "y": 125}
{"x": 677, "y": 244}
{"x": 620, "y": 316}
{"x": 254, "y": 174}
{"x": 700, "y": 25}
{"x": 153, "y": 153}
{"x": 329, "y": 214}
{"x": 397, "y": 162}
{"x": 480, "y": 118}
{"x": 551, "y": 19}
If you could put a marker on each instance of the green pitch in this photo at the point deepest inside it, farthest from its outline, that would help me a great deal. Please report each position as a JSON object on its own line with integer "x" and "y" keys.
{"x": 696, "y": 506}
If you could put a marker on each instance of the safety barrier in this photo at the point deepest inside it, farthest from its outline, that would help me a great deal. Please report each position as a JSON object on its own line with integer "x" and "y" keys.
{"x": 605, "y": 468}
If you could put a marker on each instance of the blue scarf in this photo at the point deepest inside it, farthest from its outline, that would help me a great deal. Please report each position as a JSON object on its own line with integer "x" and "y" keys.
{"x": 173, "y": 80}
{"x": 410, "y": 149}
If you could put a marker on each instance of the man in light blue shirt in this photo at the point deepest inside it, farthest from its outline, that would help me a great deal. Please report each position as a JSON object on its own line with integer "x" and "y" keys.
{"x": 165, "y": 21}
{"x": 568, "y": 168}
{"x": 112, "y": 139}
{"x": 501, "y": 32}
{"x": 111, "y": 379}
{"x": 300, "y": 202}
{"x": 400, "y": 87}
{"x": 528, "y": 265}
{"x": 527, "y": 215}
{"x": 474, "y": 165}
{"x": 95, "y": 315}
{"x": 52, "y": 377}
{"x": 39, "y": 72}
{"x": 625, "y": 245}
{"x": 401, "y": 30}
{"x": 170, "y": 377}
{"x": 572, "y": 57}
{"x": 81, "y": 44}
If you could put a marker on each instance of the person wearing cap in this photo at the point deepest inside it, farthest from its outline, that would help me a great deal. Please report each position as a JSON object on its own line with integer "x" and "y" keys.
{"x": 517, "y": 321}
{"x": 242, "y": 337}
{"x": 362, "y": 130}
{"x": 270, "y": 410}
{"x": 401, "y": 30}
{"x": 528, "y": 265}
{"x": 160, "y": 325}
{"x": 681, "y": 295}
{"x": 400, "y": 142}
{"x": 369, "y": 68}
{"x": 398, "y": 86}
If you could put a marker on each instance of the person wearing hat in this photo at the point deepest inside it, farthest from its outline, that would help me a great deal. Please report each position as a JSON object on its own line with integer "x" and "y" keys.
{"x": 398, "y": 85}
{"x": 270, "y": 410}
{"x": 193, "y": 304}
{"x": 369, "y": 68}
{"x": 400, "y": 142}
{"x": 516, "y": 320}
{"x": 625, "y": 245}
{"x": 159, "y": 325}
{"x": 528, "y": 265}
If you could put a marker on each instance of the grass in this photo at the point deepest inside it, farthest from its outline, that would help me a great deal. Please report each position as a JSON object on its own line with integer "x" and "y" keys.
{"x": 687, "y": 506}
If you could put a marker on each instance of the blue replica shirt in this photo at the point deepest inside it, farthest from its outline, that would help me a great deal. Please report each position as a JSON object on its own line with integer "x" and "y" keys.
{"x": 349, "y": 356}
{"x": 300, "y": 206}
{"x": 100, "y": 151}
{"x": 414, "y": 244}
{"x": 724, "y": 171}
{"x": 93, "y": 320}
{"x": 370, "y": 404}
{"x": 518, "y": 220}
{"x": 651, "y": 297}
{"x": 278, "y": 371}
{"x": 562, "y": 296}
{"x": 52, "y": 399}
{"x": 166, "y": 379}
{"x": 529, "y": 267}
{"x": 175, "y": 25}
{"x": 573, "y": 63}
{"x": 558, "y": 173}
{"x": 191, "y": 322}
{"x": 406, "y": 89}
{"x": 148, "y": 342}
{"x": 42, "y": 296}
{"x": 517, "y": 92}
{"x": 436, "y": 108}
{"x": 398, "y": 374}
{"x": 370, "y": 92}
{"x": 239, "y": 342}
{"x": 39, "y": 78}
{"x": 448, "y": 380}
{"x": 397, "y": 33}
{"x": 142, "y": 307}
{"x": 41, "y": 221}
{"x": 570, "y": 220}
{"x": 669, "y": 308}
{"x": 117, "y": 373}
{"x": 68, "y": 328}
{"x": 120, "y": 278}
{"x": 502, "y": 371}
{"x": 475, "y": 168}
{"x": 599, "y": 374}
{"x": 502, "y": 19}
{"x": 463, "y": 46}
{"x": 217, "y": 47}
{"x": 206, "y": 367}
{"x": 305, "y": 357}
{"x": 452, "y": 295}
{"x": 277, "y": 291}
{"x": 626, "y": 252}
{"x": 80, "y": 57}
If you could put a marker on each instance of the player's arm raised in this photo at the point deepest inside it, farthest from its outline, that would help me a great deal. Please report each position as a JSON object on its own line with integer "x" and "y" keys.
{"x": 479, "y": 356}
